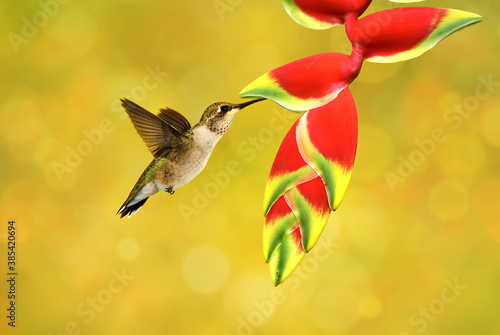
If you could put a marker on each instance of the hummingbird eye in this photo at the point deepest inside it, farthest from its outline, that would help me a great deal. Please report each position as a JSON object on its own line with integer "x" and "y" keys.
{"x": 225, "y": 108}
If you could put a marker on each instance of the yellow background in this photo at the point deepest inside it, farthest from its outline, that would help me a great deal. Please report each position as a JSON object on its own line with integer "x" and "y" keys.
{"x": 194, "y": 262}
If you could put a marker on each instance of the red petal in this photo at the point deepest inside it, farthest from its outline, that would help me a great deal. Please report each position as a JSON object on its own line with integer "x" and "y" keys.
{"x": 297, "y": 238}
{"x": 327, "y": 139}
{"x": 316, "y": 76}
{"x": 315, "y": 193}
{"x": 332, "y": 11}
{"x": 289, "y": 169}
{"x": 278, "y": 210}
{"x": 288, "y": 158}
{"x": 333, "y": 129}
{"x": 395, "y": 30}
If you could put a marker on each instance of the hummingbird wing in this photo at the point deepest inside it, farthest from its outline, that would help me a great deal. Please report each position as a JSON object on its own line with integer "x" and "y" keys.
{"x": 175, "y": 119}
{"x": 158, "y": 135}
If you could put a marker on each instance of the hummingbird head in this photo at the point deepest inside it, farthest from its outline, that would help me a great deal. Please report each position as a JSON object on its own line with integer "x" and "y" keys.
{"x": 219, "y": 116}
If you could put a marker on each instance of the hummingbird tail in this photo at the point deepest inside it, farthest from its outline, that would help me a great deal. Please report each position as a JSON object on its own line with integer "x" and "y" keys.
{"x": 128, "y": 209}
{"x": 142, "y": 190}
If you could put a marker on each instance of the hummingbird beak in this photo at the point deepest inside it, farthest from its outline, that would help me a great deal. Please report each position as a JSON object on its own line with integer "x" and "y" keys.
{"x": 248, "y": 103}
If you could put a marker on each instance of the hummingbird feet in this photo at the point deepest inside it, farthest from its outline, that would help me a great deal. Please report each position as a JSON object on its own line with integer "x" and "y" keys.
{"x": 170, "y": 190}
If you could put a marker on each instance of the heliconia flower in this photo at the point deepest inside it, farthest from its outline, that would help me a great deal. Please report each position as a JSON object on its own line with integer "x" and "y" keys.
{"x": 308, "y": 180}
{"x": 313, "y": 166}
{"x": 400, "y": 34}
{"x": 323, "y": 14}
{"x": 307, "y": 83}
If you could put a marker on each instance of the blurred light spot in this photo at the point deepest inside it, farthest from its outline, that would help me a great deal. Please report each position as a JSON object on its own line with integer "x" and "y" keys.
{"x": 449, "y": 99}
{"x": 78, "y": 267}
{"x": 21, "y": 126}
{"x": 353, "y": 274}
{"x": 205, "y": 269}
{"x": 490, "y": 125}
{"x": 362, "y": 195}
{"x": 74, "y": 261}
{"x": 16, "y": 202}
{"x": 369, "y": 306}
{"x": 84, "y": 213}
{"x": 418, "y": 235}
{"x": 12, "y": 109}
{"x": 100, "y": 236}
{"x": 245, "y": 291}
{"x": 461, "y": 158}
{"x": 258, "y": 58}
{"x": 25, "y": 130}
{"x": 128, "y": 248}
{"x": 69, "y": 182}
{"x": 422, "y": 93}
{"x": 48, "y": 210}
{"x": 369, "y": 232}
{"x": 335, "y": 310}
{"x": 485, "y": 201}
{"x": 197, "y": 80}
{"x": 76, "y": 29}
{"x": 375, "y": 152}
{"x": 44, "y": 150}
{"x": 448, "y": 200}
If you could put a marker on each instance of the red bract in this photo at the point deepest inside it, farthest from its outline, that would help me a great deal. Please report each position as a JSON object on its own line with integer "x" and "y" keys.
{"x": 316, "y": 76}
{"x": 307, "y": 83}
{"x": 289, "y": 169}
{"x": 323, "y": 14}
{"x": 327, "y": 141}
{"x": 333, "y": 129}
{"x": 403, "y": 33}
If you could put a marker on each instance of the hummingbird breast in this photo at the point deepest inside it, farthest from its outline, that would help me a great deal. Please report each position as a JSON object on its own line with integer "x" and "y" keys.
{"x": 184, "y": 163}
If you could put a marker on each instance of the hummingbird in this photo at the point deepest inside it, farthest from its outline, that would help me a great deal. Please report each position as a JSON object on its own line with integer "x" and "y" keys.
{"x": 180, "y": 151}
